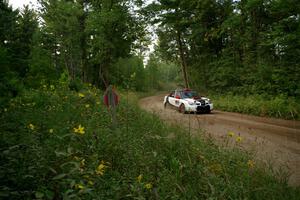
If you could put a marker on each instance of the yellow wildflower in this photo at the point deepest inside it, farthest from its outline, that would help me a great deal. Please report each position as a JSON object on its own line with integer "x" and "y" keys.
{"x": 250, "y": 163}
{"x": 51, "y": 130}
{"x": 101, "y": 168}
{"x": 98, "y": 102}
{"x": 79, "y": 130}
{"x": 79, "y": 186}
{"x": 230, "y": 133}
{"x": 87, "y": 105}
{"x": 148, "y": 186}
{"x": 31, "y": 126}
{"x": 139, "y": 178}
{"x": 90, "y": 182}
{"x": 239, "y": 139}
{"x": 80, "y": 95}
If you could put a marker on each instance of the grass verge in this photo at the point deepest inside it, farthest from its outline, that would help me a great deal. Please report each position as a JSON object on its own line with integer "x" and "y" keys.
{"x": 279, "y": 107}
{"x": 59, "y": 144}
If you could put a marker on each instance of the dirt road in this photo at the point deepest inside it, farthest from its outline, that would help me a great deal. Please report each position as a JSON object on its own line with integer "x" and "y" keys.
{"x": 274, "y": 141}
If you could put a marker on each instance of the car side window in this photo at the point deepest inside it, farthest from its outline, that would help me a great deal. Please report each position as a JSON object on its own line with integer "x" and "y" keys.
{"x": 172, "y": 94}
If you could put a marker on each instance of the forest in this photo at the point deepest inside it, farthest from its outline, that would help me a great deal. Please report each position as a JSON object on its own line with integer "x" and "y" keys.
{"x": 57, "y": 59}
{"x": 242, "y": 47}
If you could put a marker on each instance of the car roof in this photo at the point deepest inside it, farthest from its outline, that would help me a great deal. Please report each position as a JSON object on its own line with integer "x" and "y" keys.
{"x": 184, "y": 89}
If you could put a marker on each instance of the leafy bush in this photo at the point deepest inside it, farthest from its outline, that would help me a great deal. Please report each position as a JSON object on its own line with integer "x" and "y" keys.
{"x": 75, "y": 85}
{"x": 10, "y": 86}
{"x": 58, "y": 143}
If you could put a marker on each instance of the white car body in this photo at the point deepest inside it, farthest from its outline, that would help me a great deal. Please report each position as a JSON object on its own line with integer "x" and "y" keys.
{"x": 186, "y": 100}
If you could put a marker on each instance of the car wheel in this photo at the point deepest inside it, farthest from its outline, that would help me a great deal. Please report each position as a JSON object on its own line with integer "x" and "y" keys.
{"x": 182, "y": 108}
{"x": 207, "y": 110}
{"x": 166, "y": 103}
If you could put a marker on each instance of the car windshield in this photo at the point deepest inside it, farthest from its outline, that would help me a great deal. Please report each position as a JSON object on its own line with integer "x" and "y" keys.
{"x": 189, "y": 94}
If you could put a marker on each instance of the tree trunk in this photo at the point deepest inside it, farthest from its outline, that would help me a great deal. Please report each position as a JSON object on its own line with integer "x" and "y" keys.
{"x": 182, "y": 59}
{"x": 101, "y": 76}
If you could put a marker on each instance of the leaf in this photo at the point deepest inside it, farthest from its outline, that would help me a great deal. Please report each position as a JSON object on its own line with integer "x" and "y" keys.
{"x": 60, "y": 153}
{"x": 70, "y": 149}
{"x": 49, "y": 194}
{"x": 75, "y": 164}
{"x": 39, "y": 195}
{"x": 53, "y": 170}
{"x": 60, "y": 176}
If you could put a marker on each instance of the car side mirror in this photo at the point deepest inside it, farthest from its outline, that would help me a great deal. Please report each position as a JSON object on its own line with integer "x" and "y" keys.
{"x": 177, "y": 97}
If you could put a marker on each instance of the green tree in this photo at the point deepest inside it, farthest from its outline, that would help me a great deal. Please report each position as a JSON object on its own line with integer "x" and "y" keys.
{"x": 112, "y": 32}
{"x": 16, "y": 34}
{"x": 247, "y": 46}
{"x": 62, "y": 25}
{"x": 25, "y": 30}
{"x": 173, "y": 19}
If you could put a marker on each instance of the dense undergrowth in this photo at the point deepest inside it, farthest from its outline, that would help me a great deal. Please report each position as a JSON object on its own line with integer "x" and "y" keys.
{"x": 59, "y": 144}
{"x": 261, "y": 105}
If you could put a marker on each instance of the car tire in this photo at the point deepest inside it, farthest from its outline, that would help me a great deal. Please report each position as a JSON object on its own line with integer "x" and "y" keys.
{"x": 182, "y": 109}
{"x": 207, "y": 110}
{"x": 166, "y": 103}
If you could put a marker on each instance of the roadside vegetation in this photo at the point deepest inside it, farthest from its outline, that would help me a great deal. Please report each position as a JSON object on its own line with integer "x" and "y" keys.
{"x": 59, "y": 143}
{"x": 282, "y": 106}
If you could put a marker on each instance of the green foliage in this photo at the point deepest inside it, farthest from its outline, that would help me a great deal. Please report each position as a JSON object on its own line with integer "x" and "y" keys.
{"x": 41, "y": 67}
{"x": 16, "y": 35}
{"x": 113, "y": 30}
{"x": 10, "y": 86}
{"x": 75, "y": 85}
{"x": 58, "y": 143}
{"x": 262, "y": 105}
{"x": 247, "y": 46}
{"x": 86, "y": 38}
{"x": 161, "y": 75}
{"x": 129, "y": 73}
{"x": 62, "y": 31}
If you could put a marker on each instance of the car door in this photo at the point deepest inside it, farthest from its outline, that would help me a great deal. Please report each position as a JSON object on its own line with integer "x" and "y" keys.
{"x": 177, "y": 98}
{"x": 171, "y": 98}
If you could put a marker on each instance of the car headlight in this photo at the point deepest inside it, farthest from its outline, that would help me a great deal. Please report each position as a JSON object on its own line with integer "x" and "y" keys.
{"x": 191, "y": 103}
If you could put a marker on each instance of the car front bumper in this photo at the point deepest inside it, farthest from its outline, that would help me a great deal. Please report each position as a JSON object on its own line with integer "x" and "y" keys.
{"x": 200, "y": 108}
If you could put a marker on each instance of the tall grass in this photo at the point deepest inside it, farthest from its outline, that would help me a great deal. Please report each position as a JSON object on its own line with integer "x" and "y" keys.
{"x": 261, "y": 105}
{"x": 59, "y": 144}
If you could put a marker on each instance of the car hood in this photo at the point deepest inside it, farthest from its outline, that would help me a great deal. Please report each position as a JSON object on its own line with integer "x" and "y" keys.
{"x": 195, "y": 100}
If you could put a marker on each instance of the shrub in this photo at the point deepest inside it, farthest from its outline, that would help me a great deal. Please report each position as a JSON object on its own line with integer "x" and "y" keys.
{"x": 261, "y": 105}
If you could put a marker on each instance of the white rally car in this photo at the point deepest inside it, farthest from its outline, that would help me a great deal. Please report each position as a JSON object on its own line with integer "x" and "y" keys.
{"x": 186, "y": 100}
